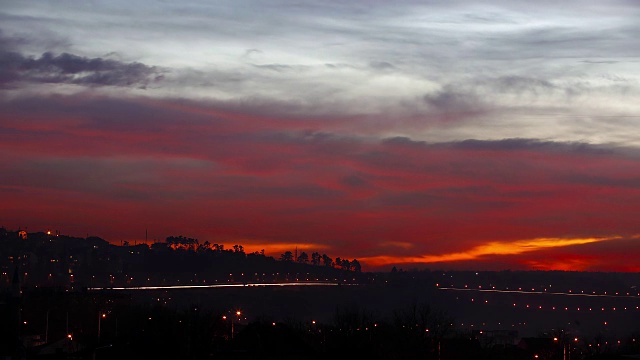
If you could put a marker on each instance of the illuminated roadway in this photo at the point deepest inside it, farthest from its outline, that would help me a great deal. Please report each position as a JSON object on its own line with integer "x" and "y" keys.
{"x": 222, "y": 286}
{"x": 535, "y": 292}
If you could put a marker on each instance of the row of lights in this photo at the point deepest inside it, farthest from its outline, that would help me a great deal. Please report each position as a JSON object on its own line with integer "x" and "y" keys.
{"x": 534, "y": 290}
{"x": 566, "y": 308}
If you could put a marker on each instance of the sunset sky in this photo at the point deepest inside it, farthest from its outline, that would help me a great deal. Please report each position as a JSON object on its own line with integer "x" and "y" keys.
{"x": 426, "y": 134}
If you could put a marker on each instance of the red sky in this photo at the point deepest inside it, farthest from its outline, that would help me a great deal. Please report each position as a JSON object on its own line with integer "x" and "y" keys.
{"x": 449, "y": 135}
{"x": 113, "y": 168}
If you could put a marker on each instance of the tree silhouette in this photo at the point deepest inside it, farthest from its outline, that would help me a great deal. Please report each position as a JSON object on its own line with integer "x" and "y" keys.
{"x": 303, "y": 258}
{"x": 286, "y": 256}
{"x": 327, "y": 261}
{"x": 316, "y": 258}
{"x": 159, "y": 246}
{"x": 417, "y": 318}
{"x": 355, "y": 265}
{"x": 181, "y": 242}
{"x": 343, "y": 263}
{"x": 206, "y": 246}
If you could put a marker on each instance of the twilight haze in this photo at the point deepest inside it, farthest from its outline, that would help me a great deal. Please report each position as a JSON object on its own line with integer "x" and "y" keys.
{"x": 440, "y": 134}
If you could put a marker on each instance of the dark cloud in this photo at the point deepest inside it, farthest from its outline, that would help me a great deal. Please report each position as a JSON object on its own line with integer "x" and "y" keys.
{"x": 453, "y": 100}
{"x": 521, "y": 84}
{"x": 600, "y": 61}
{"x": 533, "y": 144}
{"x": 381, "y": 65}
{"x": 515, "y": 144}
{"x": 278, "y": 67}
{"x": 10, "y": 43}
{"x": 354, "y": 181}
{"x": 68, "y": 68}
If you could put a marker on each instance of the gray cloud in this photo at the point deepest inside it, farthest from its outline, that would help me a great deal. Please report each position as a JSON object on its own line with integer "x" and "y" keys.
{"x": 354, "y": 181}
{"x": 488, "y": 70}
{"x": 452, "y": 100}
{"x": 279, "y": 67}
{"x": 381, "y": 65}
{"x": 534, "y": 144}
{"x": 550, "y": 149}
{"x": 68, "y": 68}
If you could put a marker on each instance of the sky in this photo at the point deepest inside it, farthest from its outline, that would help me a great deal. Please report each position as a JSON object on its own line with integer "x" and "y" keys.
{"x": 423, "y": 134}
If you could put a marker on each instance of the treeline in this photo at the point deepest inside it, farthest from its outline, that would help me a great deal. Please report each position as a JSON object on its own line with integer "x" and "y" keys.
{"x": 51, "y": 259}
{"x": 192, "y": 244}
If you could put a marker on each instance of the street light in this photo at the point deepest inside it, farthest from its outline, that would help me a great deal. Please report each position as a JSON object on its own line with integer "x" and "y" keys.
{"x": 566, "y": 348}
{"x": 101, "y": 316}
{"x": 224, "y": 317}
{"x": 238, "y": 313}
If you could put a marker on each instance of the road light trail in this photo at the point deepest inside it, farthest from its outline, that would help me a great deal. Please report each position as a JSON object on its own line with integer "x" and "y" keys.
{"x": 220, "y": 286}
{"x": 536, "y": 292}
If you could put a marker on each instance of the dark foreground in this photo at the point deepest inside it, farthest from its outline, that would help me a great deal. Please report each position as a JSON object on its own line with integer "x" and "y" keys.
{"x": 401, "y": 320}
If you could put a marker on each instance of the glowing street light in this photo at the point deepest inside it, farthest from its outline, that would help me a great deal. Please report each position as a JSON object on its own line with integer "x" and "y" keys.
{"x": 224, "y": 317}
{"x": 101, "y": 316}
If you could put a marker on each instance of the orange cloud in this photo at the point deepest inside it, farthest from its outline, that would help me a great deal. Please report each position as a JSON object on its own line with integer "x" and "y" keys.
{"x": 491, "y": 248}
{"x": 567, "y": 264}
{"x": 397, "y": 244}
{"x": 276, "y": 249}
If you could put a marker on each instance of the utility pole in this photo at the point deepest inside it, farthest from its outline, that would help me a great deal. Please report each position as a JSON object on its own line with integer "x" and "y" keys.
{"x": 101, "y": 316}
{"x": 46, "y": 329}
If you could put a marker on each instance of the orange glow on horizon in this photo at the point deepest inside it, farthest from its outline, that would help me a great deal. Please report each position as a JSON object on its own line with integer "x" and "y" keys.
{"x": 271, "y": 249}
{"x": 564, "y": 264}
{"x": 490, "y": 248}
{"x": 276, "y": 249}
